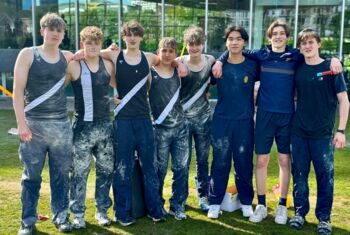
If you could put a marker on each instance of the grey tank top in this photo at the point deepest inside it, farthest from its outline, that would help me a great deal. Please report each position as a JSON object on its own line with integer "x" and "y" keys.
{"x": 42, "y": 77}
{"x": 189, "y": 87}
{"x": 160, "y": 94}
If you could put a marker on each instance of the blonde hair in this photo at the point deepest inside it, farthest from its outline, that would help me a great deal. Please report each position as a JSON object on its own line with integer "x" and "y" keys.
{"x": 277, "y": 23}
{"x": 168, "y": 42}
{"x": 52, "y": 21}
{"x": 91, "y": 33}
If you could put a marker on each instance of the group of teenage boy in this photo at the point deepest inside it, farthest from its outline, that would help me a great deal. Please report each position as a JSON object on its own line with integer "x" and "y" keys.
{"x": 173, "y": 90}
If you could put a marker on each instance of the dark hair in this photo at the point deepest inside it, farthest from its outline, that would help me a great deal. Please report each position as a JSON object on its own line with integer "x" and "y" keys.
{"x": 307, "y": 33}
{"x": 132, "y": 27}
{"x": 239, "y": 29}
{"x": 277, "y": 23}
{"x": 194, "y": 35}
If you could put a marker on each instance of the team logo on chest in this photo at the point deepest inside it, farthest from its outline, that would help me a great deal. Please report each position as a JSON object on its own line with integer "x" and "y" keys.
{"x": 245, "y": 79}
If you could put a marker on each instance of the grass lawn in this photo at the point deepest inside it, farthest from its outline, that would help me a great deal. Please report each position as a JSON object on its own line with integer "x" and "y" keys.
{"x": 197, "y": 222}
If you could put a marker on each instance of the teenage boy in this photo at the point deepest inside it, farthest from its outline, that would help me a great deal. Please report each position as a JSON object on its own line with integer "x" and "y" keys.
{"x": 275, "y": 104}
{"x": 133, "y": 129}
{"x": 233, "y": 125}
{"x": 313, "y": 139}
{"x": 92, "y": 128}
{"x": 171, "y": 130}
{"x": 196, "y": 106}
{"x": 43, "y": 127}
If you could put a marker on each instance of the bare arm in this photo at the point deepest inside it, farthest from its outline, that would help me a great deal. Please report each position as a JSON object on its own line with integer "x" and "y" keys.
{"x": 22, "y": 66}
{"x": 111, "y": 71}
{"x": 109, "y": 54}
{"x": 73, "y": 72}
{"x": 339, "y": 138}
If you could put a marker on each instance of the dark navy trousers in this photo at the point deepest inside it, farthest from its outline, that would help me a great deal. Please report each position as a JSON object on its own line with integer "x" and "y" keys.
{"x": 132, "y": 135}
{"x": 321, "y": 153}
{"x": 232, "y": 140}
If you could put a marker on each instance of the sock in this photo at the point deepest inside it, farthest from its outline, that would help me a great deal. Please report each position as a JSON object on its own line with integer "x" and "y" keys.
{"x": 283, "y": 201}
{"x": 262, "y": 200}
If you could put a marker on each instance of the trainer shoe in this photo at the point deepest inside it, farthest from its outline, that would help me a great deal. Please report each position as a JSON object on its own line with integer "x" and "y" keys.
{"x": 178, "y": 215}
{"x": 296, "y": 222}
{"x": 247, "y": 210}
{"x": 102, "y": 219}
{"x": 64, "y": 227}
{"x": 259, "y": 214}
{"x": 214, "y": 211}
{"x": 126, "y": 222}
{"x": 281, "y": 215}
{"x": 204, "y": 204}
{"x": 26, "y": 230}
{"x": 156, "y": 219}
{"x": 324, "y": 228}
{"x": 79, "y": 223}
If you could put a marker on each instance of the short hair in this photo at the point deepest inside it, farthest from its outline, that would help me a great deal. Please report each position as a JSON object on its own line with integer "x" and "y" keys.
{"x": 306, "y": 34}
{"x": 167, "y": 42}
{"x": 194, "y": 35}
{"x": 52, "y": 21}
{"x": 239, "y": 29}
{"x": 92, "y": 33}
{"x": 277, "y": 23}
{"x": 132, "y": 27}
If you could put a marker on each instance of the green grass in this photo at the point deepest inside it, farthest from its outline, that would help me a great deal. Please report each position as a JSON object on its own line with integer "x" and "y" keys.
{"x": 197, "y": 222}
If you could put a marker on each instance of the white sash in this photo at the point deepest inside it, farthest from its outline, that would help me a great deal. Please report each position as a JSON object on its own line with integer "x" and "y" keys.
{"x": 130, "y": 94}
{"x": 45, "y": 96}
{"x": 194, "y": 98}
{"x": 168, "y": 108}
{"x": 86, "y": 85}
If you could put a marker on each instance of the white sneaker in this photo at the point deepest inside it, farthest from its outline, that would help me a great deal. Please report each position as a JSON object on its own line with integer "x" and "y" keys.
{"x": 79, "y": 223}
{"x": 247, "y": 210}
{"x": 204, "y": 204}
{"x": 281, "y": 215}
{"x": 214, "y": 211}
{"x": 102, "y": 219}
{"x": 259, "y": 214}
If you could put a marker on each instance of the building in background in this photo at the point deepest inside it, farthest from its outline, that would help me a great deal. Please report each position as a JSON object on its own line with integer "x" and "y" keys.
{"x": 19, "y": 21}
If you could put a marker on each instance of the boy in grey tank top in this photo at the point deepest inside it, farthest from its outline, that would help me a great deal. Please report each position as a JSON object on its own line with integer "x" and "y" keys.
{"x": 43, "y": 125}
{"x": 92, "y": 128}
{"x": 196, "y": 106}
{"x": 171, "y": 131}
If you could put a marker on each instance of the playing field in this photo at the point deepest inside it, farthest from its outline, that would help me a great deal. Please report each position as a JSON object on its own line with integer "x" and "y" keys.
{"x": 197, "y": 222}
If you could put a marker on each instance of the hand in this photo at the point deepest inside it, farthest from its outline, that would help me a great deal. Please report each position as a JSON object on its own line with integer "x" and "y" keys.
{"x": 207, "y": 95}
{"x": 113, "y": 47}
{"x": 79, "y": 55}
{"x": 339, "y": 140}
{"x": 116, "y": 100}
{"x": 217, "y": 69}
{"x": 24, "y": 133}
{"x": 182, "y": 70}
{"x": 336, "y": 66}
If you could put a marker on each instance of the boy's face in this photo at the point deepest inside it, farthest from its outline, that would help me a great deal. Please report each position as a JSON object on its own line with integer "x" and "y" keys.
{"x": 91, "y": 47}
{"x": 309, "y": 47}
{"x": 167, "y": 55}
{"x": 278, "y": 38}
{"x": 235, "y": 43}
{"x": 132, "y": 41}
{"x": 52, "y": 36}
{"x": 194, "y": 49}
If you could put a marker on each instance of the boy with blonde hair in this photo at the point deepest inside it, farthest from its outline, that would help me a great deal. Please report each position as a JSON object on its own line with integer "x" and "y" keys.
{"x": 92, "y": 128}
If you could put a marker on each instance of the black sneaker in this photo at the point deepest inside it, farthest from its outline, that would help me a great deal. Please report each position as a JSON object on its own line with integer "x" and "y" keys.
{"x": 126, "y": 222}
{"x": 26, "y": 230}
{"x": 324, "y": 228}
{"x": 297, "y": 222}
